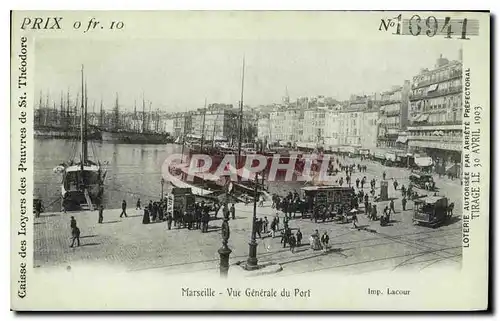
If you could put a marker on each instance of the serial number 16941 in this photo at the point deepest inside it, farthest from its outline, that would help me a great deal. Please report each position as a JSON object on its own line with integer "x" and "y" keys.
{"x": 430, "y": 26}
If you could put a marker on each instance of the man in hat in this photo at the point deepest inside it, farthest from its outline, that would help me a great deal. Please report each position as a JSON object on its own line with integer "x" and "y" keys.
{"x": 233, "y": 212}
{"x": 101, "y": 216}
{"x": 124, "y": 209}
{"x": 75, "y": 232}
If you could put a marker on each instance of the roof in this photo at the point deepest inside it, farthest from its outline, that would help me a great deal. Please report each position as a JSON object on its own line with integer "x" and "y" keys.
{"x": 420, "y": 175}
{"x": 328, "y": 187}
{"x": 76, "y": 168}
{"x": 430, "y": 199}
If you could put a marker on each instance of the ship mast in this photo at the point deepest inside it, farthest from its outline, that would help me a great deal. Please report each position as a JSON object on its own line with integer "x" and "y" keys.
{"x": 184, "y": 137}
{"x": 241, "y": 111}
{"x": 68, "y": 119}
{"x": 143, "y": 114}
{"x": 82, "y": 138}
{"x": 116, "y": 115}
{"x": 213, "y": 132}
{"x": 85, "y": 120}
{"x": 203, "y": 126}
{"x": 101, "y": 115}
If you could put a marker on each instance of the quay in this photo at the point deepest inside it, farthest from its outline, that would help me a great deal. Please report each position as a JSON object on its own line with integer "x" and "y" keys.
{"x": 137, "y": 247}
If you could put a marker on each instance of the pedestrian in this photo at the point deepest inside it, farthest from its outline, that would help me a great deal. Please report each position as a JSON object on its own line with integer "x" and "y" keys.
{"x": 299, "y": 238}
{"x": 266, "y": 223}
{"x": 285, "y": 237}
{"x": 403, "y": 203}
{"x": 395, "y": 185}
{"x": 205, "y": 220}
{"x": 324, "y": 241}
{"x": 75, "y": 232}
{"x": 354, "y": 220}
{"x": 155, "y": 212}
{"x": 138, "y": 205}
{"x": 197, "y": 217}
{"x": 292, "y": 241}
{"x": 38, "y": 207}
{"x": 258, "y": 226}
{"x": 233, "y": 212}
{"x": 145, "y": 217}
{"x": 261, "y": 202}
{"x": 374, "y": 212}
{"x": 273, "y": 228}
{"x": 386, "y": 213}
{"x": 101, "y": 217}
{"x": 391, "y": 207}
{"x": 403, "y": 190}
{"x": 160, "y": 212}
{"x": 357, "y": 182}
{"x": 383, "y": 175}
{"x": 169, "y": 220}
{"x": 124, "y": 209}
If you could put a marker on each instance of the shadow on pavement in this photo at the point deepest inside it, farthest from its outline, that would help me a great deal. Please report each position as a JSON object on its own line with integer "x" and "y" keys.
{"x": 49, "y": 215}
{"x": 110, "y": 222}
{"x": 451, "y": 220}
{"x": 90, "y": 244}
{"x": 86, "y": 236}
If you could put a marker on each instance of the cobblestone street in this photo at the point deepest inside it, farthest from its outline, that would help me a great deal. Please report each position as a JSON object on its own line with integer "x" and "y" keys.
{"x": 137, "y": 247}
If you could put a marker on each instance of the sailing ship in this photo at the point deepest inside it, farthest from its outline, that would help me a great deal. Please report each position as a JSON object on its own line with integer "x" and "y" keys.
{"x": 139, "y": 136}
{"x": 207, "y": 183}
{"x": 63, "y": 123}
{"x": 83, "y": 181}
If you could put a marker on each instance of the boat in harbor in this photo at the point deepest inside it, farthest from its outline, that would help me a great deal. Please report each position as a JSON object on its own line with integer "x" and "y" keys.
{"x": 143, "y": 135}
{"x": 83, "y": 180}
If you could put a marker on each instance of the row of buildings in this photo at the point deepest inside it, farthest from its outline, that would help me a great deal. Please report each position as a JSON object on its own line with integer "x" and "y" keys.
{"x": 421, "y": 116}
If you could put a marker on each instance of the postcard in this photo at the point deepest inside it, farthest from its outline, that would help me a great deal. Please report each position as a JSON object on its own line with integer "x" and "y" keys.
{"x": 250, "y": 160}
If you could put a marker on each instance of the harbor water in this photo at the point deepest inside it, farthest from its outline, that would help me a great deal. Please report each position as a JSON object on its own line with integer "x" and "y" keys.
{"x": 133, "y": 171}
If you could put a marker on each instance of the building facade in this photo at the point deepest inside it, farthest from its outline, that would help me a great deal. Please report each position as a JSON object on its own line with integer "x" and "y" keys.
{"x": 394, "y": 117}
{"x": 436, "y": 115}
{"x": 369, "y": 129}
{"x": 217, "y": 122}
{"x": 313, "y": 125}
{"x": 332, "y": 127}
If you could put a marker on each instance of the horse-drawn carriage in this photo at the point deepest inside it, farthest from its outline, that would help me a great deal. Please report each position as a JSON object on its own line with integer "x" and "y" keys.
{"x": 423, "y": 181}
{"x": 432, "y": 211}
{"x": 326, "y": 202}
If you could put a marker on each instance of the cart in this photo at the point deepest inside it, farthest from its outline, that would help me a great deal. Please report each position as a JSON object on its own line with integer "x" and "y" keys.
{"x": 423, "y": 181}
{"x": 431, "y": 211}
{"x": 327, "y": 199}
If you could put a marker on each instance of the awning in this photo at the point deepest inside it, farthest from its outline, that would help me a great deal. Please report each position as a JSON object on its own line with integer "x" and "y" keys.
{"x": 432, "y": 87}
{"x": 402, "y": 139}
{"x": 423, "y": 161}
{"x": 421, "y": 118}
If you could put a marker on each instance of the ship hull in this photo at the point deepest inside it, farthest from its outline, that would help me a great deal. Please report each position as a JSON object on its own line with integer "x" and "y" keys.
{"x": 135, "y": 138}
{"x": 50, "y": 133}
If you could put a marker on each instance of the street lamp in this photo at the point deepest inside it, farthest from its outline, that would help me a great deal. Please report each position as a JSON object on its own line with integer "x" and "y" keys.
{"x": 252, "y": 252}
{"x": 224, "y": 251}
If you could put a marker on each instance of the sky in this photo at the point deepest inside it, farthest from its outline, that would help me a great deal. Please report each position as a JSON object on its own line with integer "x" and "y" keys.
{"x": 178, "y": 75}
